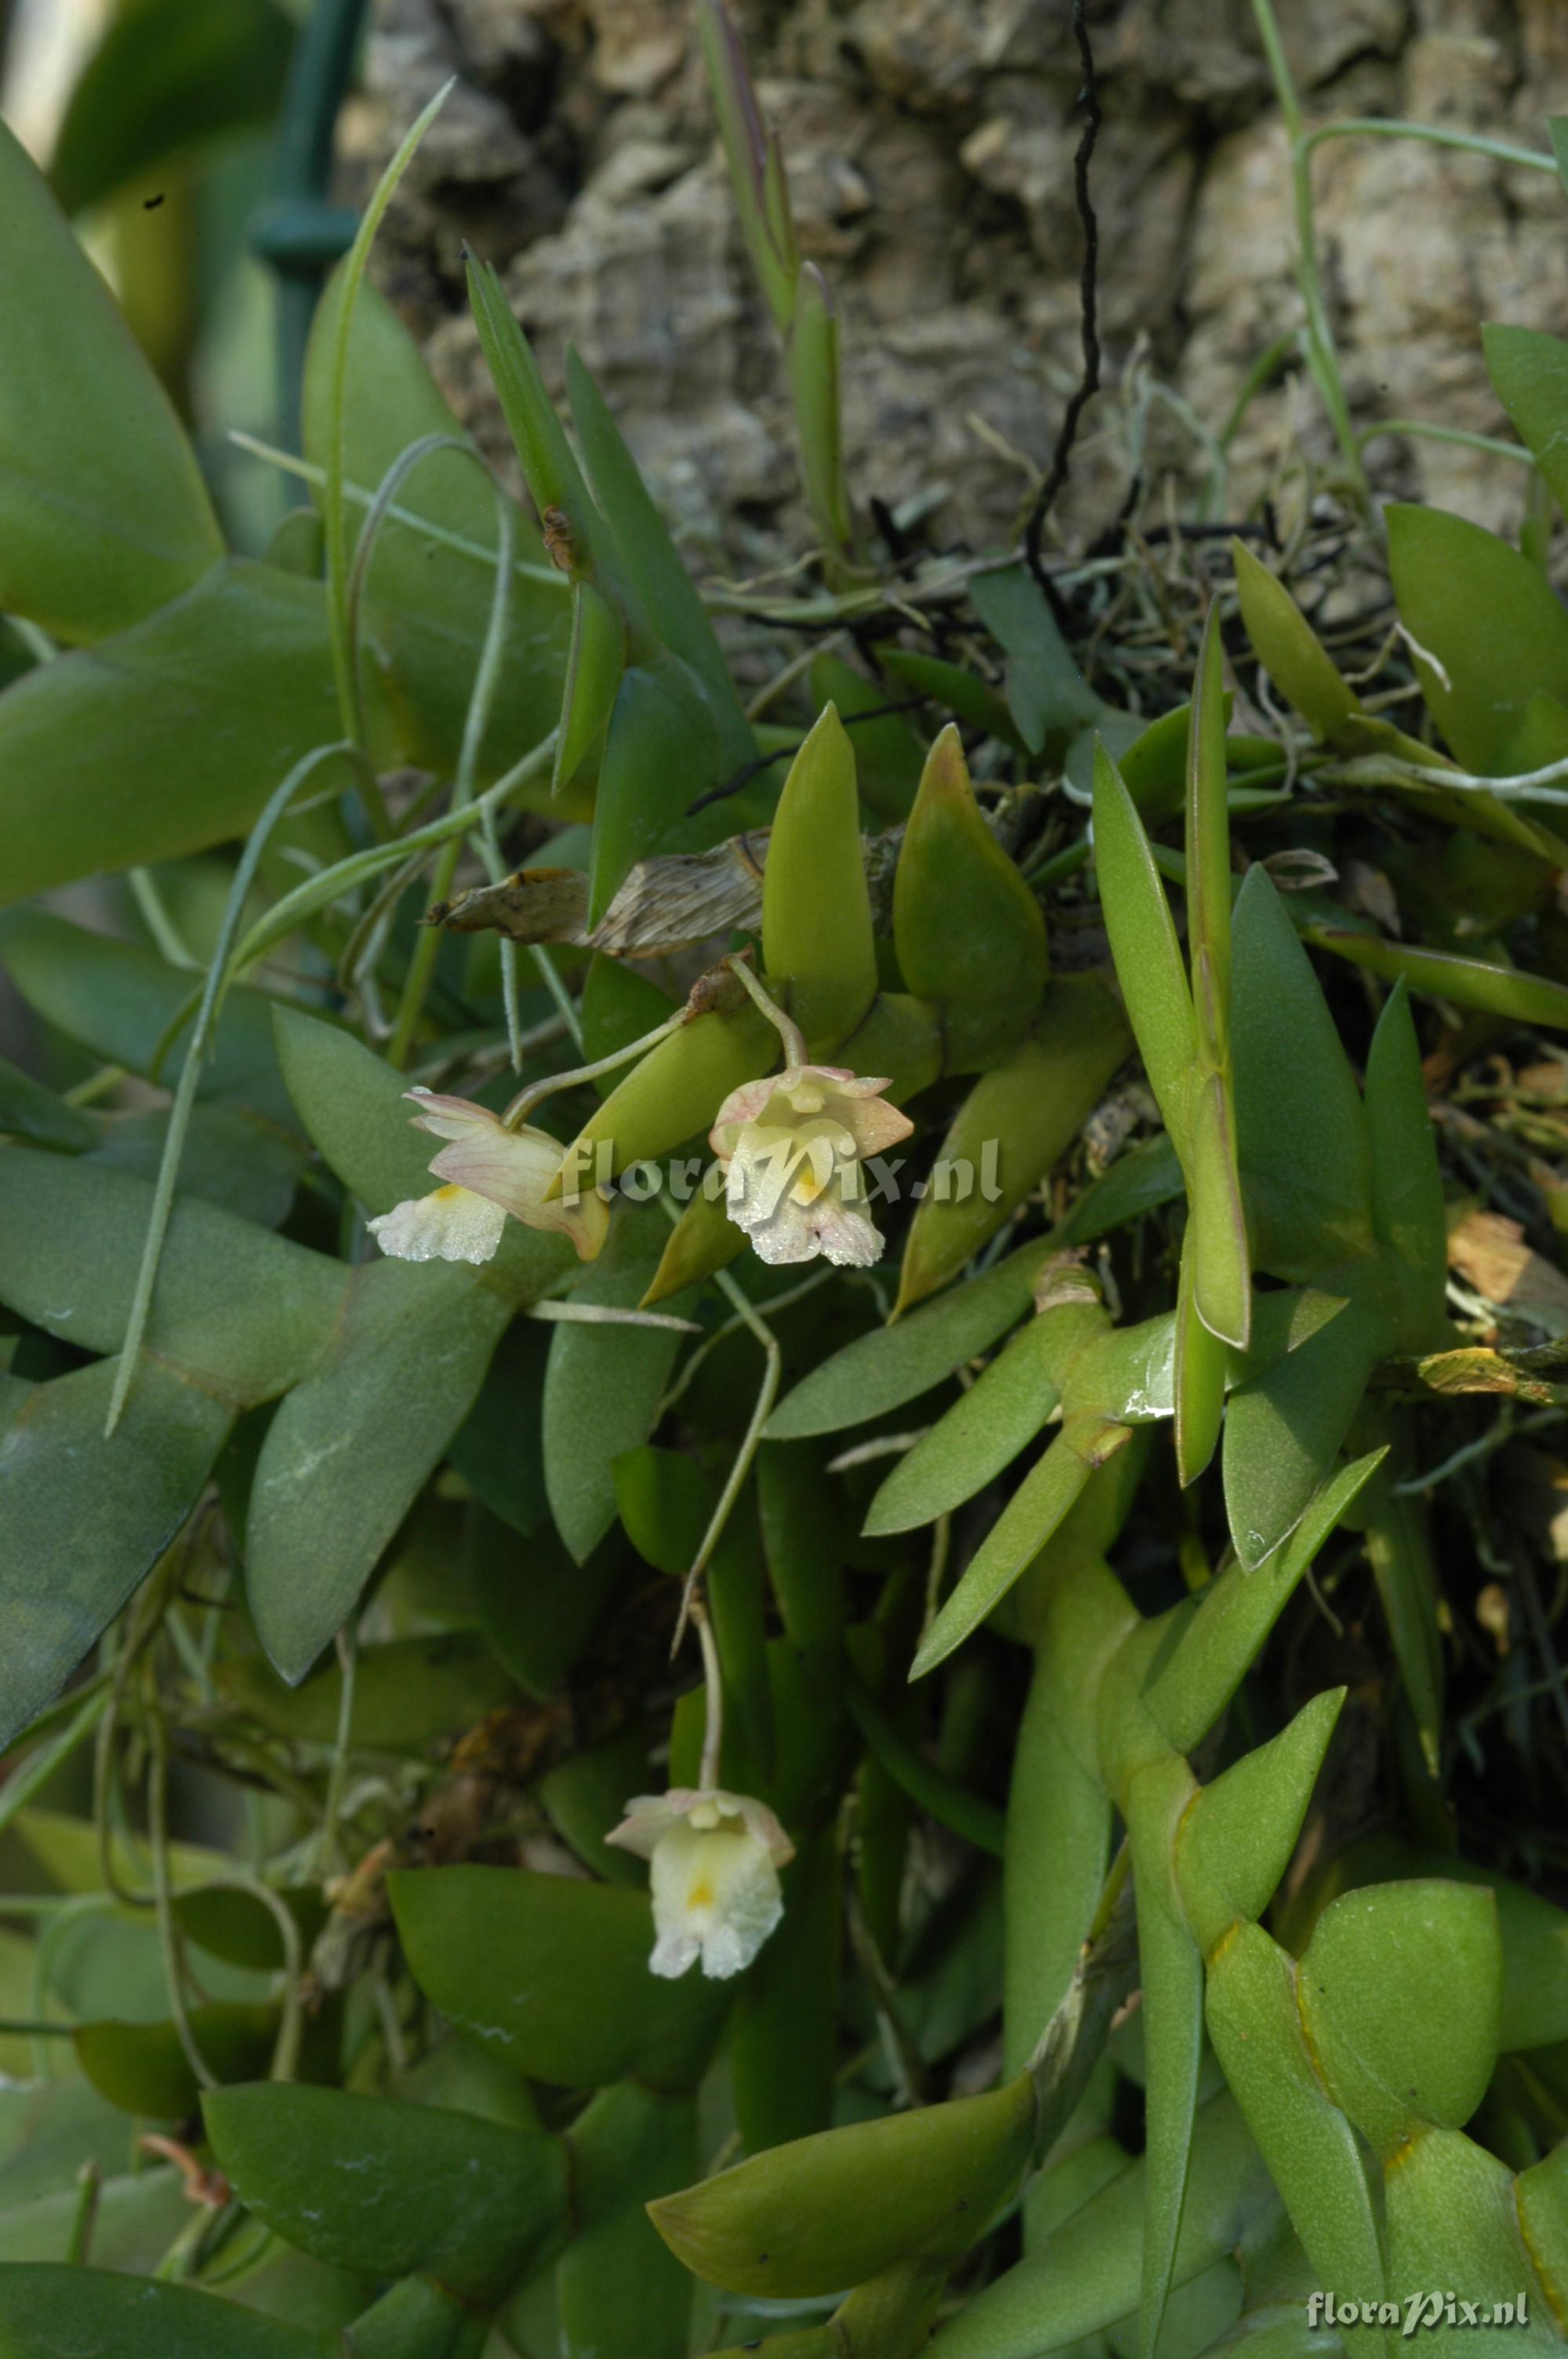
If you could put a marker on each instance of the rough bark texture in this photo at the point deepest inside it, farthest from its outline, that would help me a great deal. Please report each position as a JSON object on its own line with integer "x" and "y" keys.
{"x": 930, "y": 148}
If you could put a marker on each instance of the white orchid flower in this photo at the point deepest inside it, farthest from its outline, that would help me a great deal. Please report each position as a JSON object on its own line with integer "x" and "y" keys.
{"x": 790, "y": 1147}
{"x": 487, "y": 1171}
{"x": 714, "y": 1862}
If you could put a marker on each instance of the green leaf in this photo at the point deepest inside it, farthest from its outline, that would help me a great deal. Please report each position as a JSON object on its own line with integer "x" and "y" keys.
{"x": 1144, "y": 943}
{"x": 617, "y": 2288}
{"x": 353, "y": 1104}
{"x": 812, "y": 352}
{"x": 1084, "y": 2276}
{"x": 1045, "y": 690}
{"x": 103, "y": 512}
{"x": 1407, "y": 1185}
{"x": 1283, "y": 1429}
{"x": 497, "y": 1450}
{"x": 980, "y": 1435}
{"x": 677, "y": 1088}
{"x": 1170, "y": 1966}
{"x": 832, "y": 2211}
{"x": 241, "y": 1312}
{"x": 426, "y": 602}
{"x": 364, "y": 2183}
{"x": 940, "y": 1796}
{"x": 549, "y": 468}
{"x": 963, "y": 693}
{"x": 596, "y": 666}
{"x": 407, "y": 1692}
{"x": 1400, "y": 1990}
{"x": 166, "y": 78}
{"x": 890, "y": 752}
{"x": 1190, "y": 1686}
{"x": 1015, "y": 1126}
{"x": 1399, "y": 1553}
{"x": 1479, "y": 984}
{"x": 1451, "y": 2219}
{"x": 1292, "y": 654}
{"x": 142, "y": 2069}
{"x": 1023, "y": 1527}
{"x": 52, "y": 2308}
{"x": 1056, "y": 1846}
{"x": 1489, "y": 630}
{"x": 352, "y": 1447}
{"x": 554, "y": 1971}
{"x": 1300, "y": 1130}
{"x": 966, "y": 929}
{"x": 1235, "y": 1842}
{"x": 168, "y": 737}
{"x": 659, "y": 755}
{"x": 653, "y": 563}
{"x": 603, "y": 1385}
{"x": 783, "y": 2052}
{"x": 1255, "y": 2022}
{"x": 882, "y": 1371}
{"x": 816, "y": 914}
{"x": 122, "y": 1002}
{"x": 30, "y": 1112}
{"x": 1530, "y": 375}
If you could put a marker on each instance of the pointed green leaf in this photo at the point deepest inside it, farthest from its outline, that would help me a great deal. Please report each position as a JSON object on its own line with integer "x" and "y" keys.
{"x": 1170, "y": 1967}
{"x": 1407, "y": 1186}
{"x": 1401, "y": 1986}
{"x": 1300, "y": 1131}
{"x": 816, "y": 913}
{"x": 108, "y": 754}
{"x": 102, "y": 514}
{"x": 366, "y": 2184}
{"x": 596, "y": 661}
{"x": 1235, "y": 1842}
{"x": 1190, "y": 1686}
{"x": 1530, "y": 375}
{"x": 53, "y": 2306}
{"x": 980, "y": 1435}
{"x": 1144, "y": 943}
{"x": 553, "y": 1973}
{"x": 1254, "y": 2020}
{"x": 1480, "y": 983}
{"x": 653, "y": 563}
{"x": 349, "y": 1450}
{"x": 549, "y": 468}
{"x": 832, "y": 2211}
{"x": 617, "y": 2286}
{"x": 1015, "y": 1126}
{"x": 659, "y": 755}
{"x": 1046, "y": 691}
{"x": 1025, "y": 1524}
{"x": 1488, "y": 629}
{"x": 968, "y": 929}
{"x": 603, "y": 1385}
{"x": 1283, "y": 1428}
{"x": 1085, "y": 2278}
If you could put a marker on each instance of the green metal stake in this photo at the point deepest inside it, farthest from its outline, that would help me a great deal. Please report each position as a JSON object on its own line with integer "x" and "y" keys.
{"x": 299, "y": 232}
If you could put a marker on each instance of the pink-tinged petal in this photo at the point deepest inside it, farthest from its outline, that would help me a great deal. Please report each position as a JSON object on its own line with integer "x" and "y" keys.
{"x": 449, "y": 1117}
{"x": 451, "y": 1223}
{"x": 647, "y": 1817}
{"x": 875, "y": 1125}
{"x": 513, "y": 1169}
{"x": 748, "y": 1104}
{"x": 762, "y": 1824}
